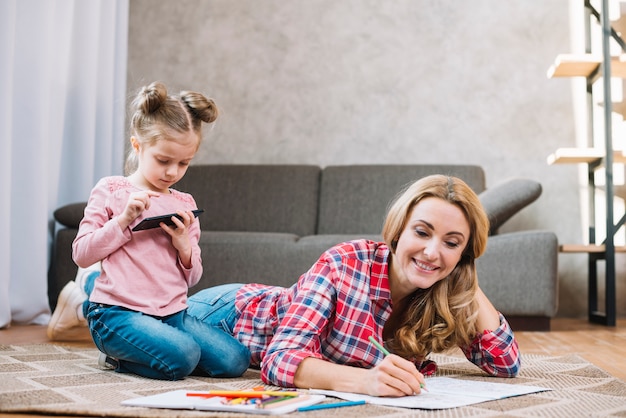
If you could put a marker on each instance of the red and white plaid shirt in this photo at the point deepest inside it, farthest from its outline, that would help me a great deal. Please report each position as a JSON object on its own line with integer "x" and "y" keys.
{"x": 330, "y": 313}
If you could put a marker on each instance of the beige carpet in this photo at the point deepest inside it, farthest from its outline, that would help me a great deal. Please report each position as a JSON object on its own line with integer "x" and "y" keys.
{"x": 48, "y": 379}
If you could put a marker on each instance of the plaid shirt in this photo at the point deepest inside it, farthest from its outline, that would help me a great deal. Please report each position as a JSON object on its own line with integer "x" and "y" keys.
{"x": 330, "y": 313}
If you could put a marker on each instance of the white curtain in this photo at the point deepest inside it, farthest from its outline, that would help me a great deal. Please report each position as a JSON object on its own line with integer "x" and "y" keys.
{"x": 62, "y": 100}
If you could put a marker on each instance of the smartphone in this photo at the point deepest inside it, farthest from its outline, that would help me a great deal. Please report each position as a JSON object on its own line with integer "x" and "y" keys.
{"x": 155, "y": 221}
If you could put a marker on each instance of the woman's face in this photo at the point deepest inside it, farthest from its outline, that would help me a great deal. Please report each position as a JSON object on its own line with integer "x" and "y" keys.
{"x": 429, "y": 247}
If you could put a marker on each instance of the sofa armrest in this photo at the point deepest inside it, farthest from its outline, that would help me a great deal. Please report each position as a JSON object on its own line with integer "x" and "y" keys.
{"x": 505, "y": 199}
{"x": 71, "y": 214}
{"x": 518, "y": 273}
{"x": 62, "y": 268}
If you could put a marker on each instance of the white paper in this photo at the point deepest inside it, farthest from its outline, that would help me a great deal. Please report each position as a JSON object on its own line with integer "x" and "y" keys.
{"x": 444, "y": 392}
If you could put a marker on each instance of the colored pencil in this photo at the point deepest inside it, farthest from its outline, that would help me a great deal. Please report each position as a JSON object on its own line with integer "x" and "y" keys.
{"x": 330, "y": 405}
{"x": 277, "y": 403}
{"x": 243, "y": 393}
{"x": 379, "y": 345}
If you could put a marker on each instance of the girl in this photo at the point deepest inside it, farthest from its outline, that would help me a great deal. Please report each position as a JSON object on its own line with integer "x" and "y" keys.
{"x": 417, "y": 291}
{"x": 137, "y": 308}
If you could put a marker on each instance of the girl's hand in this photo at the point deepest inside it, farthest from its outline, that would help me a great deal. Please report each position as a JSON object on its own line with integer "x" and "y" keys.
{"x": 137, "y": 203}
{"x": 180, "y": 235}
{"x": 395, "y": 376}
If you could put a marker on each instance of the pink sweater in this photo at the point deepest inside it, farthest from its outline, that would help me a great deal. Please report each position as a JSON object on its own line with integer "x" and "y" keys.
{"x": 140, "y": 270}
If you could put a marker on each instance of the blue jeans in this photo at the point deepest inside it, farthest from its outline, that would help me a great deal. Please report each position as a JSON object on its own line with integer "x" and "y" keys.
{"x": 167, "y": 348}
{"x": 215, "y": 306}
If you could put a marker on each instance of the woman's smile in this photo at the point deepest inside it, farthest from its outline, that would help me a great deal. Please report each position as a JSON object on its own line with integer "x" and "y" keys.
{"x": 422, "y": 265}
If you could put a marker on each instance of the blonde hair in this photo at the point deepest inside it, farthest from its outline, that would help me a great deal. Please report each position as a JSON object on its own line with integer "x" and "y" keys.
{"x": 154, "y": 113}
{"x": 444, "y": 315}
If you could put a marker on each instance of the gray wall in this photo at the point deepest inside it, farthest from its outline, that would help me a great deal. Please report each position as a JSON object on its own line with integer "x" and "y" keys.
{"x": 362, "y": 81}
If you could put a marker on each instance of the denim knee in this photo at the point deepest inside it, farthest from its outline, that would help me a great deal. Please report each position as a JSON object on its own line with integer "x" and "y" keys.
{"x": 179, "y": 367}
{"x": 236, "y": 364}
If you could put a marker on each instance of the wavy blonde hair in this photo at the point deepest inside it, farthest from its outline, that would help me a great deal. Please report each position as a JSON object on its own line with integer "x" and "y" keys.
{"x": 444, "y": 315}
{"x": 155, "y": 112}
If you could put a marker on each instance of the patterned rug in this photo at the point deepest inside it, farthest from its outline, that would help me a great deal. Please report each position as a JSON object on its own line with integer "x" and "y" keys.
{"x": 58, "y": 380}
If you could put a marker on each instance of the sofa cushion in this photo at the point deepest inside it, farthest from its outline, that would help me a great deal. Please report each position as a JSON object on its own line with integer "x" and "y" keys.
{"x": 249, "y": 257}
{"x": 354, "y": 199}
{"x": 255, "y": 198}
{"x": 318, "y": 244}
{"x": 505, "y": 199}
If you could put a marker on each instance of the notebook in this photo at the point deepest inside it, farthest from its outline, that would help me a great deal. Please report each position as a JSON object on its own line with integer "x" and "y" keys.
{"x": 178, "y": 399}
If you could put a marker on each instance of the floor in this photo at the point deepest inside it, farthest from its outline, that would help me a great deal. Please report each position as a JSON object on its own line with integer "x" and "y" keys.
{"x": 603, "y": 346}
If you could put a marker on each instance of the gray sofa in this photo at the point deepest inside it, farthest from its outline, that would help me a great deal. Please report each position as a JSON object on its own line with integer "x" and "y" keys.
{"x": 270, "y": 223}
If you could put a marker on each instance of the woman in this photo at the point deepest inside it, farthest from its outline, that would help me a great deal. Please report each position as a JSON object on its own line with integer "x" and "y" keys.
{"x": 417, "y": 291}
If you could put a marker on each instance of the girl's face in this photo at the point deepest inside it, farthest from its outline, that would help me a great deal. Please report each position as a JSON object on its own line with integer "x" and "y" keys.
{"x": 429, "y": 247}
{"x": 161, "y": 165}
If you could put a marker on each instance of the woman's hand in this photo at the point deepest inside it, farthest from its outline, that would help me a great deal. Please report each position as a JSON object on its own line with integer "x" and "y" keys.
{"x": 180, "y": 235}
{"x": 136, "y": 204}
{"x": 395, "y": 376}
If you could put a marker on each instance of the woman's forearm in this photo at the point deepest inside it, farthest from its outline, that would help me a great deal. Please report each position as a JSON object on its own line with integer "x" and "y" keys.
{"x": 320, "y": 374}
{"x": 488, "y": 317}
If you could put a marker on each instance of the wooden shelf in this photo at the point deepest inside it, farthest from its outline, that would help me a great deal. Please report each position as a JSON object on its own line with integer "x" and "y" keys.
{"x": 592, "y": 67}
{"x": 583, "y": 65}
{"x": 583, "y": 155}
{"x": 587, "y": 248}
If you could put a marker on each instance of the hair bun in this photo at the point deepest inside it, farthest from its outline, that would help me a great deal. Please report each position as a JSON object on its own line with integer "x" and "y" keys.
{"x": 201, "y": 107}
{"x": 152, "y": 97}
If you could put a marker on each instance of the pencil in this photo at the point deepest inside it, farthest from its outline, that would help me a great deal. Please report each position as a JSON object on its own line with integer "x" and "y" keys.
{"x": 379, "y": 345}
{"x": 330, "y": 405}
{"x": 386, "y": 353}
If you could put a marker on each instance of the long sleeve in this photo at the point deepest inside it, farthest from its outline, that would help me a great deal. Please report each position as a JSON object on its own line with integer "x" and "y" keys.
{"x": 496, "y": 352}
{"x": 99, "y": 234}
